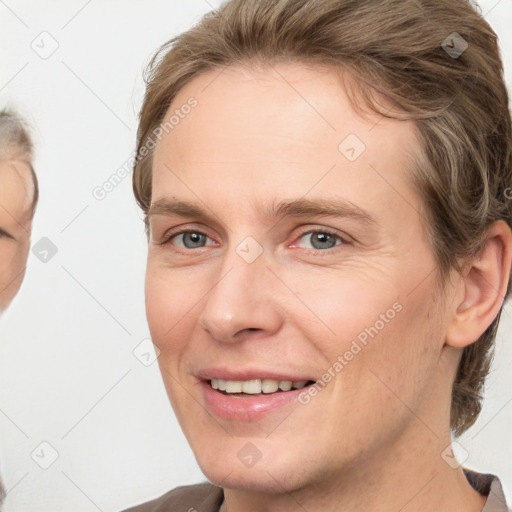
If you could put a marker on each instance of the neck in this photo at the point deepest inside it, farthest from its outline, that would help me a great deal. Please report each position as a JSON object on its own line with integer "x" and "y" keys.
{"x": 410, "y": 477}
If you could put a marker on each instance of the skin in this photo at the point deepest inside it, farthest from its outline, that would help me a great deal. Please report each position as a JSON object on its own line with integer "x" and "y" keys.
{"x": 372, "y": 438}
{"x": 16, "y": 212}
{"x": 16, "y": 197}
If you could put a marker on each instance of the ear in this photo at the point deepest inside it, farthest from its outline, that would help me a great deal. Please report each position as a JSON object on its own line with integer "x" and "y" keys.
{"x": 482, "y": 288}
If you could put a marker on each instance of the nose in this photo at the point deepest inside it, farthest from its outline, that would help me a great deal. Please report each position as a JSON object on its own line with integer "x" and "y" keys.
{"x": 242, "y": 299}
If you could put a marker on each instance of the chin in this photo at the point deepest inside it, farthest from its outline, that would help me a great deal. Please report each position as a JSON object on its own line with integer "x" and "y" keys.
{"x": 256, "y": 480}
{"x": 269, "y": 475}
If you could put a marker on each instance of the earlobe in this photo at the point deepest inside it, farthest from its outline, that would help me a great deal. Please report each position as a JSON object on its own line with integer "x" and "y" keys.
{"x": 483, "y": 288}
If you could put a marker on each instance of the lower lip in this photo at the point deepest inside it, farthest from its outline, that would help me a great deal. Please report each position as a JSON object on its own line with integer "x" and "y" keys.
{"x": 246, "y": 408}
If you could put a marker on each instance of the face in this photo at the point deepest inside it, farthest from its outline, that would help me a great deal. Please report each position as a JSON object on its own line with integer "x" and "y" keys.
{"x": 16, "y": 196}
{"x": 283, "y": 251}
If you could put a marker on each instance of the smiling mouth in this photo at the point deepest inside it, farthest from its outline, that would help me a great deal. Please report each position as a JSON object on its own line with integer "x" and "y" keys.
{"x": 256, "y": 387}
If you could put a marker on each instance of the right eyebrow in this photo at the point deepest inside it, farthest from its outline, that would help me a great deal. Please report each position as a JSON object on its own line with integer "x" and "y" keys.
{"x": 180, "y": 208}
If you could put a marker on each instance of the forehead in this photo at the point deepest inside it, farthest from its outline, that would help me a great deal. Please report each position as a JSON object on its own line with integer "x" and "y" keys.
{"x": 289, "y": 123}
{"x": 16, "y": 191}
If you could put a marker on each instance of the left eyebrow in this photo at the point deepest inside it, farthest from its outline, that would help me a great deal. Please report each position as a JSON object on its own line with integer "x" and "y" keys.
{"x": 5, "y": 234}
{"x": 322, "y": 208}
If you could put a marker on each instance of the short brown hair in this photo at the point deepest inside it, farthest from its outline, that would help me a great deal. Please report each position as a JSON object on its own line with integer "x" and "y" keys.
{"x": 436, "y": 62}
{"x": 16, "y": 144}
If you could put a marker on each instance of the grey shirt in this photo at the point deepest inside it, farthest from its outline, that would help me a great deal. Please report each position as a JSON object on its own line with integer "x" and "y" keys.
{"x": 206, "y": 497}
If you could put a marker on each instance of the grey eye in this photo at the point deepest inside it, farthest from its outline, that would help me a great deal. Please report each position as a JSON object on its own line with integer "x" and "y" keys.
{"x": 192, "y": 239}
{"x": 322, "y": 240}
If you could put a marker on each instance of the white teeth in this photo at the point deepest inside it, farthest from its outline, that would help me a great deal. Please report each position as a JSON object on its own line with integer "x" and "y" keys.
{"x": 269, "y": 386}
{"x": 252, "y": 387}
{"x": 285, "y": 385}
{"x": 256, "y": 386}
{"x": 233, "y": 386}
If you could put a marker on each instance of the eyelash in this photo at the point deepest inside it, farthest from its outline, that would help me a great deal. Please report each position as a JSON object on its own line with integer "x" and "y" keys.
{"x": 326, "y": 231}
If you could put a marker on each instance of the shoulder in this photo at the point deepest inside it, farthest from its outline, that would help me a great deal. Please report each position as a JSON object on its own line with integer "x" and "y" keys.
{"x": 490, "y": 486}
{"x": 203, "y": 497}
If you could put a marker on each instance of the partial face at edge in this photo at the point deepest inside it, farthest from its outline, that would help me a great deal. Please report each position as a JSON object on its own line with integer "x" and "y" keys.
{"x": 247, "y": 294}
{"x": 16, "y": 197}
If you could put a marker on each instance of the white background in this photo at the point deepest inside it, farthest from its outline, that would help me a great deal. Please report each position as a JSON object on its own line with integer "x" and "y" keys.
{"x": 68, "y": 376}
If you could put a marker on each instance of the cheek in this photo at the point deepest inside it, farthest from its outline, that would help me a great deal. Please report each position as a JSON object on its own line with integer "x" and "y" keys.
{"x": 374, "y": 326}
{"x": 22, "y": 255}
{"x": 397, "y": 359}
{"x": 170, "y": 304}
{"x": 12, "y": 272}
{"x": 12, "y": 260}
{"x": 345, "y": 305}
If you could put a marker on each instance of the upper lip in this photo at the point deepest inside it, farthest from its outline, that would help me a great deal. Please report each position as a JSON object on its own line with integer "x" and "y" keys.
{"x": 248, "y": 374}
